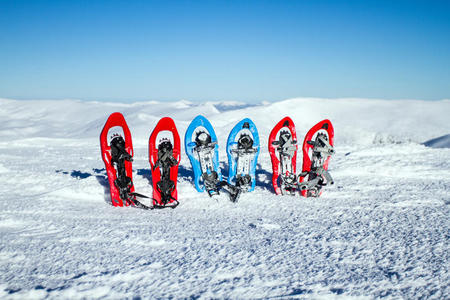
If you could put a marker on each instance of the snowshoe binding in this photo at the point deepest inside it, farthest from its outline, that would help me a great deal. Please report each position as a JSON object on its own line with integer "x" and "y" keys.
{"x": 165, "y": 162}
{"x": 118, "y": 157}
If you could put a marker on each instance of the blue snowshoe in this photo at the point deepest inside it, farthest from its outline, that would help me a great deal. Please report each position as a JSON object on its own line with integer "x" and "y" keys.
{"x": 243, "y": 151}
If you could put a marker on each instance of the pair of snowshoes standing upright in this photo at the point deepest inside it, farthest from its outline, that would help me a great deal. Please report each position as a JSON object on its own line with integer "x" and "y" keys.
{"x": 203, "y": 151}
{"x": 317, "y": 150}
{"x": 164, "y": 157}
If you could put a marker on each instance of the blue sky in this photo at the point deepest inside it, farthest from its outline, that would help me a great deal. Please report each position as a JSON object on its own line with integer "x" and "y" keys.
{"x": 224, "y": 50}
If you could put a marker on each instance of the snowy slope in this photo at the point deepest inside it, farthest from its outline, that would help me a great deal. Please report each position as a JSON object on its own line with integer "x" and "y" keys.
{"x": 381, "y": 230}
{"x": 439, "y": 142}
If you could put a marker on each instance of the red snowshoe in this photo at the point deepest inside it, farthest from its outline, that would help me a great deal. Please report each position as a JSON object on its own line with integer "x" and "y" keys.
{"x": 164, "y": 157}
{"x": 283, "y": 153}
{"x": 317, "y": 151}
{"x": 117, "y": 154}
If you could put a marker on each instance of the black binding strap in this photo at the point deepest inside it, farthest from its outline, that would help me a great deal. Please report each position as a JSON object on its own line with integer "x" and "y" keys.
{"x": 165, "y": 162}
{"x": 118, "y": 157}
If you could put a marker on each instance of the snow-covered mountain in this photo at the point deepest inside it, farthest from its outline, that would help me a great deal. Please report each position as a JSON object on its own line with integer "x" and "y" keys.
{"x": 381, "y": 230}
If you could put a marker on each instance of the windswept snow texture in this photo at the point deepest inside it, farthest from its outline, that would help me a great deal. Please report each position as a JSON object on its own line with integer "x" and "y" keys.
{"x": 381, "y": 230}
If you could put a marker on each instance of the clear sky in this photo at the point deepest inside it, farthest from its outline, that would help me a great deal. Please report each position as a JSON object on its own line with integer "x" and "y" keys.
{"x": 224, "y": 50}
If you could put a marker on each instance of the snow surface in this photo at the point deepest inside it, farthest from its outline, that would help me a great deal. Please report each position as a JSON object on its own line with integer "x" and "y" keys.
{"x": 381, "y": 230}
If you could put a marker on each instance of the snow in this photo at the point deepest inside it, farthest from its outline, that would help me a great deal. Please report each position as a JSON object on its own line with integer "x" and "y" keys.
{"x": 381, "y": 230}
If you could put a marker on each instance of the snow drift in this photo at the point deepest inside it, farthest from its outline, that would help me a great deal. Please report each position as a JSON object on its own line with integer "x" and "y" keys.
{"x": 439, "y": 142}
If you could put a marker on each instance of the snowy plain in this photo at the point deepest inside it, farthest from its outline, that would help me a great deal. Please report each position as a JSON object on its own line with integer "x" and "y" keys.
{"x": 381, "y": 231}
